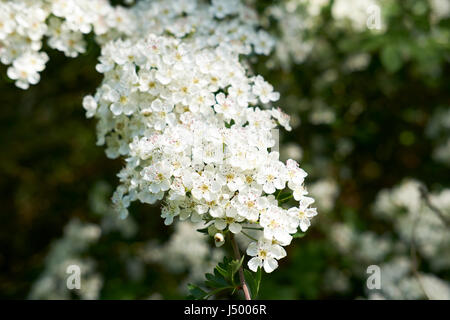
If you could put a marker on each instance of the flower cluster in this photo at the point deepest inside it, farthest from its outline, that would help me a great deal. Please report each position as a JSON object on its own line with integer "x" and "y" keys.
{"x": 186, "y": 250}
{"x": 186, "y": 118}
{"x": 68, "y": 251}
{"x": 400, "y": 282}
{"x": 179, "y": 106}
{"x": 415, "y": 226}
{"x": 356, "y": 12}
{"x": 25, "y": 23}
{"x": 295, "y": 19}
{"x": 405, "y": 208}
{"x": 440, "y": 9}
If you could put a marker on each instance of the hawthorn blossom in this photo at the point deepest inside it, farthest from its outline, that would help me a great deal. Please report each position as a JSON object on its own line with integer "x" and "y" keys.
{"x": 303, "y": 213}
{"x": 63, "y": 24}
{"x": 265, "y": 254}
{"x": 264, "y": 90}
{"x": 179, "y": 106}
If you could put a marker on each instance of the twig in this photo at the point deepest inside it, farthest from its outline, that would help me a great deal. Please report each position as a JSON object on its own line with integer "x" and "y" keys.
{"x": 424, "y": 194}
{"x": 413, "y": 254}
{"x": 237, "y": 255}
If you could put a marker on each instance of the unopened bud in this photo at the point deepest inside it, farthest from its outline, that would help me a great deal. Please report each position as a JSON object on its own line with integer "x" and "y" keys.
{"x": 219, "y": 239}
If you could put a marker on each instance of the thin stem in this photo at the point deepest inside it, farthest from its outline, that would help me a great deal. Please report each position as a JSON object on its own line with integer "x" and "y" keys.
{"x": 237, "y": 255}
{"x": 413, "y": 254}
{"x": 252, "y": 228}
{"x": 278, "y": 195}
{"x": 249, "y": 236}
{"x": 424, "y": 193}
{"x": 285, "y": 198}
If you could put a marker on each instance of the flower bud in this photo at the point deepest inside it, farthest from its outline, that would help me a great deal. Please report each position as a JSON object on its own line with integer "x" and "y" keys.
{"x": 219, "y": 239}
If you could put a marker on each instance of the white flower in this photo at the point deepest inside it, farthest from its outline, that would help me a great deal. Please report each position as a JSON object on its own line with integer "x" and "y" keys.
{"x": 272, "y": 176}
{"x": 123, "y": 101}
{"x": 90, "y": 104}
{"x": 205, "y": 186}
{"x": 169, "y": 212}
{"x": 223, "y": 8}
{"x": 225, "y": 106}
{"x": 303, "y": 214}
{"x": 282, "y": 118}
{"x": 235, "y": 180}
{"x": 353, "y": 10}
{"x": 265, "y": 254}
{"x": 231, "y": 219}
{"x": 275, "y": 222}
{"x": 264, "y": 90}
{"x": 296, "y": 174}
{"x": 247, "y": 206}
{"x": 240, "y": 92}
{"x": 159, "y": 177}
{"x": 161, "y": 115}
{"x": 263, "y": 44}
{"x": 25, "y": 68}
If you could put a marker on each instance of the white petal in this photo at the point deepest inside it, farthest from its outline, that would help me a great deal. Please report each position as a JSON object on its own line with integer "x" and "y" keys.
{"x": 235, "y": 227}
{"x": 254, "y": 263}
{"x": 220, "y": 224}
{"x": 270, "y": 264}
{"x": 278, "y": 251}
{"x": 304, "y": 224}
{"x": 216, "y": 212}
{"x": 269, "y": 188}
{"x": 283, "y": 236}
{"x": 252, "y": 249}
{"x": 311, "y": 213}
{"x": 116, "y": 109}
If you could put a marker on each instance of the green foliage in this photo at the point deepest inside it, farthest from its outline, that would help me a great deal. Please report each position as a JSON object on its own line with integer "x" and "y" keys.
{"x": 299, "y": 234}
{"x": 253, "y": 280}
{"x": 224, "y": 278}
{"x": 391, "y": 58}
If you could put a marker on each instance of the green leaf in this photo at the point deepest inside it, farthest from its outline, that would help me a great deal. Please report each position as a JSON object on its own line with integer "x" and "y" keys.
{"x": 299, "y": 234}
{"x": 391, "y": 58}
{"x": 253, "y": 280}
{"x": 222, "y": 269}
{"x": 204, "y": 230}
{"x": 215, "y": 280}
{"x": 222, "y": 279}
{"x": 210, "y": 294}
{"x": 235, "y": 265}
{"x": 196, "y": 293}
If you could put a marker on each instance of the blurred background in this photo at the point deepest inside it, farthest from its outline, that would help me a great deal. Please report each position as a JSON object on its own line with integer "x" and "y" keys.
{"x": 369, "y": 98}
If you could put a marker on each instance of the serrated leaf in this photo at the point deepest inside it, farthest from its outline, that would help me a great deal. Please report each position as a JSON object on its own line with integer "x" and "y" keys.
{"x": 253, "y": 280}
{"x": 235, "y": 265}
{"x": 196, "y": 292}
{"x": 221, "y": 271}
{"x": 215, "y": 281}
{"x": 222, "y": 279}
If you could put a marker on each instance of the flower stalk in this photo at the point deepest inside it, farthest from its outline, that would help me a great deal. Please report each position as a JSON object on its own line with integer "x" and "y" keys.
{"x": 237, "y": 256}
